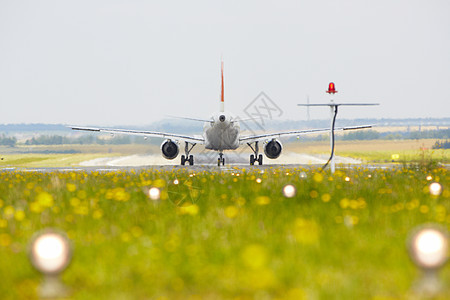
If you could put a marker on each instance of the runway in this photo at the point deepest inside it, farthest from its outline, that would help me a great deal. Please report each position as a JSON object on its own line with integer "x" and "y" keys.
{"x": 202, "y": 162}
{"x": 210, "y": 159}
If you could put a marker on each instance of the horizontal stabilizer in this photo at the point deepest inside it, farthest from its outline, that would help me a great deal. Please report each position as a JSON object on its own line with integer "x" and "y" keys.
{"x": 191, "y": 119}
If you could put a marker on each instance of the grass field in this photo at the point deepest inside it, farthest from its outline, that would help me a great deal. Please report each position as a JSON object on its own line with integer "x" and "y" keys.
{"x": 223, "y": 235}
{"x": 36, "y": 156}
{"x": 379, "y": 151}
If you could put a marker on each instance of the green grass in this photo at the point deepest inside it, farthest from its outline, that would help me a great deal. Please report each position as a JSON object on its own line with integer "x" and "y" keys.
{"x": 49, "y": 160}
{"x": 223, "y": 235}
{"x": 404, "y": 156}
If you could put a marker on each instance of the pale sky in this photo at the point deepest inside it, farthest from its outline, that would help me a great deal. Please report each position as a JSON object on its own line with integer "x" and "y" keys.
{"x": 130, "y": 62}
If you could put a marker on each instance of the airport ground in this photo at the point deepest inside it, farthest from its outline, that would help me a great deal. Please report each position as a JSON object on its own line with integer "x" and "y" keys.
{"x": 294, "y": 153}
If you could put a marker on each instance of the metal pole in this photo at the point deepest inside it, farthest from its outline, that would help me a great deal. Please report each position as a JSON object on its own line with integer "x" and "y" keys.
{"x": 332, "y": 163}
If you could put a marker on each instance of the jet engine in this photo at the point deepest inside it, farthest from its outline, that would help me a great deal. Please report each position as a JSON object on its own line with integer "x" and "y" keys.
{"x": 273, "y": 149}
{"x": 169, "y": 149}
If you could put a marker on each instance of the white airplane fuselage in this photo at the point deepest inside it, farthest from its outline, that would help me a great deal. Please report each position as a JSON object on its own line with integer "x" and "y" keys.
{"x": 222, "y": 133}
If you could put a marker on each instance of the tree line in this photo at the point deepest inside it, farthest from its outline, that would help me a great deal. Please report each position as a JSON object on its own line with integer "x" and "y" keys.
{"x": 126, "y": 139}
{"x": 374, "y": 135}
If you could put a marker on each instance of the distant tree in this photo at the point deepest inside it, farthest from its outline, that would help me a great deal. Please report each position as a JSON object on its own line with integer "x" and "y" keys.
{"x": 46, "y": 140}
{"x": 362, "y": 135}
{"x": 394, "y": 136}
{"x": 430, "y": 134}
{"x": 8, "y": 141}
{"x": 442, "y": 145}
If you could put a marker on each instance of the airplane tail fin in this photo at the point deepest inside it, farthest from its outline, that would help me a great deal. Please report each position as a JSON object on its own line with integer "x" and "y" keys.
{"x": 222, "y": 107}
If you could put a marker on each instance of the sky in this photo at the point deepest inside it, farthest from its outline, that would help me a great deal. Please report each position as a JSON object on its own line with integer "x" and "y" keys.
{"x": 133, "y": 62}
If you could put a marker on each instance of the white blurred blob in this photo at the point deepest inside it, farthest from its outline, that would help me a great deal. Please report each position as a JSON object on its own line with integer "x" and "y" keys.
{"x": 176, "y": 181}
{"x": 429, "y": 177}
{"x": 154, "y": 193}
{"x": 435, "y": 189}
{"x": 302, "y": 175}
{"x": 258, "y": 180}
{"x": 347, "y": 179}
{"x": 50, "y": 253}
{"x": 429, "y": 248}
{"x": 289, "y": 191}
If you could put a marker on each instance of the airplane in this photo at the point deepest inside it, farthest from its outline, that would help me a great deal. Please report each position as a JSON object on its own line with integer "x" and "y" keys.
{"x": 221, "y": 132}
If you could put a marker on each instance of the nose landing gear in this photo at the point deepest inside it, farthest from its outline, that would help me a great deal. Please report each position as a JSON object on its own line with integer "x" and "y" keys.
{"x": 221, "y": 160}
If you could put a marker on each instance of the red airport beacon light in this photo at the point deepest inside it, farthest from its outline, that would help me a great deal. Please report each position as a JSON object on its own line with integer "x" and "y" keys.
{"x": 331, "y": 88}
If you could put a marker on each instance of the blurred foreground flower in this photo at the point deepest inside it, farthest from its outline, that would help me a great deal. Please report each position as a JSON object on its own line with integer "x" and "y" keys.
{"x": 289, "y": 191}
{"x": 435, "y": 189}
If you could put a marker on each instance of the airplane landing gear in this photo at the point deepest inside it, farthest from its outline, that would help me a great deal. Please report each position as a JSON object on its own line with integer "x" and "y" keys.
{"x": 255, "y": 157}
{"x": 189, "y": 160}
{"x": 187, "y": 150}
{"x": 221, "y": 160}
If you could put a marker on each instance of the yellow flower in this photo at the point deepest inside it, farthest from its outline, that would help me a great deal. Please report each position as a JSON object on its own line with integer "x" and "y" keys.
{"x": 326, "y": 197}
{"x": 231, "y": 212}
{"x": 81, "y": 210}
{"x": 259, "y": 279}
{"x": 98, "y": 214}
{"x": 81, "y": 194}
{"x": 262, "y": 200}
{"x": 314, "y": 194}
{"x": 254, "y": 257}
{"x": 125, "y": 237}
{"x": 74, "y": 202}
{"x": 344, "y": 203}
{"x": 306, "y": 231}
{"x": 19, "y": 215}
{"x": 44, "y": 199}
{"x": 295, "y": 294}
{"x": 159, "y": 183}
{"x": 317, "y": 177}
{"x": 71, "y": 187}
{"x": 424, "y": 209}
{"x": 3, "y": 223}
{"x": 8, "y": 212}
{"x": 188, "y": 209}
{"x": 118, "y": 194}
{"x": 351, "y": 221}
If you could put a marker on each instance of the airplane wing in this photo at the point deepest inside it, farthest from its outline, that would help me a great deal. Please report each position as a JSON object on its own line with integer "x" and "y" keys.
{"x": 178, "y": 137}
{"x": 267, "y": 136}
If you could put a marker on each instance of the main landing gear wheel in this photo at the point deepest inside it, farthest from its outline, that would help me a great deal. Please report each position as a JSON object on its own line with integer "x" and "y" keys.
{"x": 189, "y": 160}
{"x": 253, "y": 159}
{"x": 184, "y": 158}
